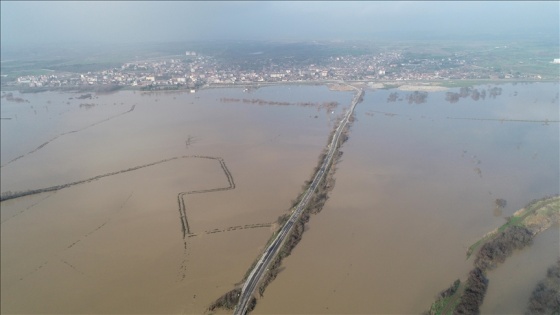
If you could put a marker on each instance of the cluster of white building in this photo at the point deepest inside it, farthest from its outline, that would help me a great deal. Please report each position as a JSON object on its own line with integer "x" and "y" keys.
{"x": 194, "y": 71}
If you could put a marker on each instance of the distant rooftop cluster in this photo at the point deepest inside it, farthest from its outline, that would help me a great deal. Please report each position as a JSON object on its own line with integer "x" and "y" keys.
{"x": 195, "y": 70}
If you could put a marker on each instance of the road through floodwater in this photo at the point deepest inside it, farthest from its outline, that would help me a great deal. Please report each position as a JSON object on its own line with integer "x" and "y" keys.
{"x": 414, "y": 189}
{"x": 119, "y": 238}
{"x": 272, "y": 250}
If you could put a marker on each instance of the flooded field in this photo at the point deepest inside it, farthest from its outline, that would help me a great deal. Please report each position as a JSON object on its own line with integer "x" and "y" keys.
{"x": 113, "y": 239}
{"x": 416, "y": 186}
{"x": 169, "y": 197}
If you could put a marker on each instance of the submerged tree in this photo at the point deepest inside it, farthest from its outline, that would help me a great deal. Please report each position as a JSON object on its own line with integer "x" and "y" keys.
{"x": 545, "y": 298}
{"x": 500, "y": 203}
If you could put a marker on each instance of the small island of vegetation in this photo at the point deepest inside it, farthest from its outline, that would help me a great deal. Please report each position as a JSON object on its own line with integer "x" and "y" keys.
{"x": 493, "y": 249}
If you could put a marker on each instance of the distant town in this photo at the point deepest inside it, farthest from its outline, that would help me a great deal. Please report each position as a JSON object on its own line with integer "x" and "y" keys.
{"x": 193, "y": 71}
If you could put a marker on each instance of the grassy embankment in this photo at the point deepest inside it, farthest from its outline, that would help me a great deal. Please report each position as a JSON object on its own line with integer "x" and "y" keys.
{"x": 495, "y": 247}
{"x": 542, "y": 212}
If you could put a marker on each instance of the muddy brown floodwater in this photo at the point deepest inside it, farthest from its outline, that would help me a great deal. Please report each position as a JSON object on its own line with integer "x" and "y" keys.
{"x": 115, "y": 244}
{"x": 416, "y": 187}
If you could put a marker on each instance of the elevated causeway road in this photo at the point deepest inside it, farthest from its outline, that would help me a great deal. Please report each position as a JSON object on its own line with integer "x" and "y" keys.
{"x": 272, "y": 250}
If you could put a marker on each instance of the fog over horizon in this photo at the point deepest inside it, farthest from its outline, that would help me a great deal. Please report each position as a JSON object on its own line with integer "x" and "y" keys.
{"x": 46, "y": 22}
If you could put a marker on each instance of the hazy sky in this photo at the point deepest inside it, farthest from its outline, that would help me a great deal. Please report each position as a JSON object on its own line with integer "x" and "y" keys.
{"x": 129, "y": 21}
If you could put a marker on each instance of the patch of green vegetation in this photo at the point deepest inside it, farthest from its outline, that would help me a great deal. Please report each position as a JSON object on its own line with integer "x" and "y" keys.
{"x": 531, "y": 58}
{"x": 447, "y": 300}
{"x": 81, "y": 58}
{"x": 496, "y": 247}
{"x": 463, "y": 83}
{"x": 439, "y": 306}
{"x": 387, "y": 86}
{"x": 227, "y": 301}
{"x": 16, "y": 69}
{"x": 19, "y": 73}
{"x": 518, "y": 219}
